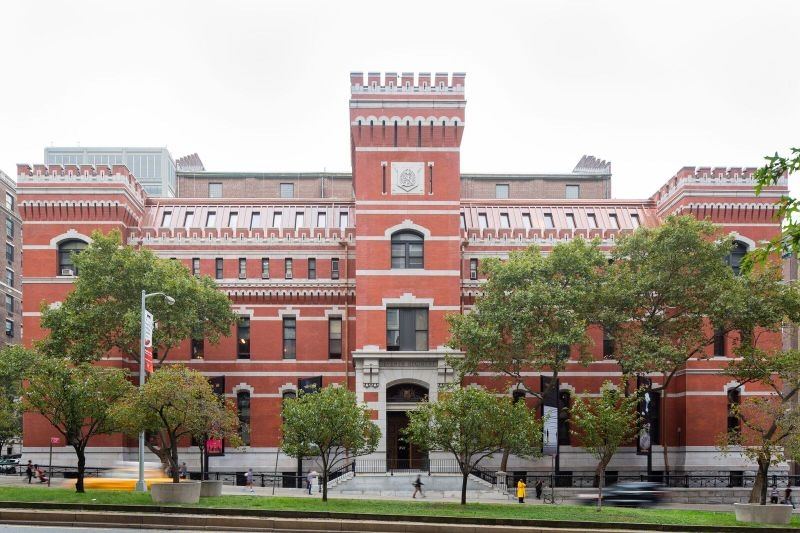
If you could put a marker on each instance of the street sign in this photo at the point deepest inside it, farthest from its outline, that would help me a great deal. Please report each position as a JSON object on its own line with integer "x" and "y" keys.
{"x": 148, "y": 341}
{"x": 55, "y": 441}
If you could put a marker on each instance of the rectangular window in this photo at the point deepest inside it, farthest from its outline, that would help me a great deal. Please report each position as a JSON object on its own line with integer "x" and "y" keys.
{"x": 573, "y": 192}
{"x": 635, "y": 220}
{"x": 9, "y": 303}
{"x": 211, "y": 219}
{"x": 287, "y": 266}
{"x": 243, "y": 338}
{"x": 287, "y": 190}
{"x": 299, "y": 220}
{"x": 196, "y": 266}
{"x": 571, "y": 221}
{"x": 198, "y": 348}
{"x": 9, "y": 328}
{"x": 335, "y": 337}
{"x": 343, "y": 220}
{"x": 9, "y": 201}
{"x": 719, "y": 343}
{"x": 255, "y": 220}
{"x": 9, "y": 252}
{"x": 505, "y": 222}
{"x": 264, "y": 268}
{"x": 473, "y": 269}
{"x": 526, "y": 220}
{"x": 614, "y": 221}
{"x": 322, "y": 219}
{"x": 548, "y": 221}
{"x": 335, "y": 268}
{"x": 592, "y": 220}
{"x": 215, "y": 190}
{"x": 166, "y": 219}
{"x": 407, "y": 329}
{"x": 242, "y": 268}
{"x": 233, "y": 219}
{"x": 188, "y": 220}
{"x": 289, "y": 337}
{"x": 609, "y": 345}
{"x": 9, "y": 228}
{"x": 483, "y": 221}
{"x": 218, "y": 268}
{"x": 463, "y": 222}
{"x": 501, "y": 190}
{"x": 277, "y": 219}
{"x": 312, "y": 268}
{"x": 734, "y": 400}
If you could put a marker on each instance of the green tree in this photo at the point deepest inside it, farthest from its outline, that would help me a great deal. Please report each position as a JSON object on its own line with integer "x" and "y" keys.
{"x": 76, "y": 399}
{"x": 663, "y": 288}
{"x": 473, "y": 424}
{"x": 757, "y": 303}
{"x": 14, "y": 362}
{"x": 102, "y": 313}
{"x": 174, "y": 405}
{"x": 603, "y": 425}
{"x": 328, "y": 424}
{"x": 788, "y": 206}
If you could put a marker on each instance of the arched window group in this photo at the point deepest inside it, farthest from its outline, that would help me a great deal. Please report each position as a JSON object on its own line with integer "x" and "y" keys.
{"x": 66, "y": 260}
{"x": 407, "y": 250}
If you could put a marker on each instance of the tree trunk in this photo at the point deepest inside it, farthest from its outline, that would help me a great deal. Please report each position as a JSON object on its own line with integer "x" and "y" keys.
{"x": 601, "y": 474}
{"x": 324, "y": 482}
{"x": 759, "y": 492}
{"x": 664, "y": 445}
{"x": 81, "y": 468}
{"x": 173, "y": 461}
{"x": 504, "y": 461}
{"x": 464, "y": 479}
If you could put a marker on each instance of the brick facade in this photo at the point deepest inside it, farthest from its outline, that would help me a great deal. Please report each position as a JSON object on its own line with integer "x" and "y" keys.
{"x": 387, "y": 320}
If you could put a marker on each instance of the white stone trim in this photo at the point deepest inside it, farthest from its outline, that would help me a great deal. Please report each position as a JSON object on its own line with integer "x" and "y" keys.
{"x": 287, "y": 387}
{"x": 243, "y": 386}
{"x": 288, "y": 310}
{"x": 408, "y": 272}
{"x": 70, "y": 234}
{"x": 407, "y": 224}
{"x": 751, "y": 244}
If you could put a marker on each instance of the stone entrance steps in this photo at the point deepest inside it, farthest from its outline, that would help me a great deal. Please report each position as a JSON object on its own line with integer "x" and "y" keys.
{"x": 401, "y": 485}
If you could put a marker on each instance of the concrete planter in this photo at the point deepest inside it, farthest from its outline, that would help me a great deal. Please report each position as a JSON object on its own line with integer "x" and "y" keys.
{"x": 209, "y": 489}
{"x": 763, "y": 514}
{"x": 184, "y": 492}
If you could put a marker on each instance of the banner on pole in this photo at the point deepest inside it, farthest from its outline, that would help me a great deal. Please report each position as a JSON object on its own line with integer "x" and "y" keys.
{"x": 215, "y": 447}
{"x": 148, "y": 341}
{"x": 549, "y": 388}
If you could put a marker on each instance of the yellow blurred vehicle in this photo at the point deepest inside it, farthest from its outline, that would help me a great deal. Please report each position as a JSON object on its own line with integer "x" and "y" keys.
{"x": 124, "y": 477}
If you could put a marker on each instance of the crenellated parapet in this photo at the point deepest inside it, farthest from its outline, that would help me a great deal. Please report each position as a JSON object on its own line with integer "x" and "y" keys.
{"x": 407, "y": 83}
{"x": 719, "y": 186}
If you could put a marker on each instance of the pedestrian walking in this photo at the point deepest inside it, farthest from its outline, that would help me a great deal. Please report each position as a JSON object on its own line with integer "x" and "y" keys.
{"x": 310, "y": 480}
{"x": 418, "y": 487}
{"x": 184, "y": 472}
{"x": 29, "y": 471}
{"x": 787, "y": 496}
{"x": 521, "y": 491}
{"x": 773, "y": 495}
{"x": 538, "y": 488}
{"x": 248, "y": 477}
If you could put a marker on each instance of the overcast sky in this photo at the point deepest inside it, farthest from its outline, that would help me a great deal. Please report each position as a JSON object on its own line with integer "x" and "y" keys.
{"x": 254, "y": 85}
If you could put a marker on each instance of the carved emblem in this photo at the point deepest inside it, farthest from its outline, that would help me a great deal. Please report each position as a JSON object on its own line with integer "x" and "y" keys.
{"x": 408, "y": 180}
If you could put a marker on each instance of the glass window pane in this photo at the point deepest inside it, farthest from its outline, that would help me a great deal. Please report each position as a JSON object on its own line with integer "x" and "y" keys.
{"x": 422, "y": 319}
{"x": 422, "y": 340}
{"x": 393, "y": 319}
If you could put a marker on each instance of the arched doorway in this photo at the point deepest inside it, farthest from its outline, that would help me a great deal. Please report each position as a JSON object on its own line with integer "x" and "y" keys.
{"x": 400, "y": 453}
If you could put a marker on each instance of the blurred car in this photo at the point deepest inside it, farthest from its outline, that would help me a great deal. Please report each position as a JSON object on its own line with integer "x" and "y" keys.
{"x": 124, "y": 477}
{"x": 629, "y": 494}
{"x": 9, "y": 466}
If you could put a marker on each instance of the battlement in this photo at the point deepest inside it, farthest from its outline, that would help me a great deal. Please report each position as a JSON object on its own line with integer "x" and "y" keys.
{"x": 713, "y": 176}
{"x": 79, "y": 174}
{"x": 407, "y": 83}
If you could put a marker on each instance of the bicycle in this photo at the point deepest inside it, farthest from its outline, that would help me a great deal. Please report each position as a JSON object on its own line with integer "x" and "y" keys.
{"x": 551, "y": 497}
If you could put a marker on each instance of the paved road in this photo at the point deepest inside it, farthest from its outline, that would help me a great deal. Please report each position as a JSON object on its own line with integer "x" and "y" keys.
{"x": 28, "y": 529}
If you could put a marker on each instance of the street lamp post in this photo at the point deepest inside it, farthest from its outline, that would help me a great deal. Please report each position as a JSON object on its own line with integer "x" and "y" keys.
{"x": 141, "y": 486}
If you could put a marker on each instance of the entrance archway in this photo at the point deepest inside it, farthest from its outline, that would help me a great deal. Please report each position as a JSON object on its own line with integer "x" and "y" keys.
{"x": 400, "y": 453}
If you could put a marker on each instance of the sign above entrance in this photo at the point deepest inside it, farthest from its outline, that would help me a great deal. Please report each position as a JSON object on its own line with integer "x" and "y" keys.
{"x": 408, "y": 178}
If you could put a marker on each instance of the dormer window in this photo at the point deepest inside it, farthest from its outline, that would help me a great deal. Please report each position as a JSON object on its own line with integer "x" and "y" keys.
{"x": 255, "y": 220}
{"x": 321, "y": 219}
{"x": 614, "y": 221}
{"x": 483, "y": 221}
{"x": 635, "y": 220}
{"x": 166, "y": 219}
{"x": 233, "y": 219}
{"x": 277, "y": 219}
{"x": 299, "y": 220}
{"x": 571, "y": 221}
{"x": 188, "y": 219}
{"x": 526, "y": 221}
{"x": 211, "y": 219}
{"x": 505, "y": 222}
{"x": 548, "y": 221}
{"x": 592, "y": 218}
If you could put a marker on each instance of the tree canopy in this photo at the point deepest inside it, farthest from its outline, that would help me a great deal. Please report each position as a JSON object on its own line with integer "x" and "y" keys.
{"x": 102, "y": 312}
{"x": 175, "y": 405}
{"x": 330, "y": 425}
{"x": 473, "y": 424}
{"x": 788, "y": 241}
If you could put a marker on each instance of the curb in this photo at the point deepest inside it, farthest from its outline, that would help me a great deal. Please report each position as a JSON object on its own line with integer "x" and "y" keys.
{"x": 201, "y": 514}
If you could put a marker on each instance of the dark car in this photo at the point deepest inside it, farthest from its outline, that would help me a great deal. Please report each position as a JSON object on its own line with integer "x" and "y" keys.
{"x": 9, "y": 466}
{"x": 628, "y": 494}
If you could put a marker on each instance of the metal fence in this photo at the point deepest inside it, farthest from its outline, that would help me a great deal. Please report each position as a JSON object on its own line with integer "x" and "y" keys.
{"x": 733, "y": 479}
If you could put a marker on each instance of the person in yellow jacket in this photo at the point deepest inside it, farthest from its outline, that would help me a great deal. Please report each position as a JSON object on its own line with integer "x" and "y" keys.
{"x": 521, "y": 491}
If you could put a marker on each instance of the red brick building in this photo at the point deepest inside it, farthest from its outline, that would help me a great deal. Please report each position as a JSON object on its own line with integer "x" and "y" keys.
{"x": 348, "y": 278}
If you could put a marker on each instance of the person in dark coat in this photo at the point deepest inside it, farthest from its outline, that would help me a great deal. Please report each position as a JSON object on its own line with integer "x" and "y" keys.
{"x": 29, "y": 471}
{"x": 538, "y": 488}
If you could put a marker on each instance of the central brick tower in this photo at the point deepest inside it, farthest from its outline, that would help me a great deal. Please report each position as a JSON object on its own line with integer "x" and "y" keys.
{"x": 405, "y": 135}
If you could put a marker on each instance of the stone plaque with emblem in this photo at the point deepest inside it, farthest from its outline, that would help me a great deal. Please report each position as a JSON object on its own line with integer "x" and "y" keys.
{"x": 408, "y": 178}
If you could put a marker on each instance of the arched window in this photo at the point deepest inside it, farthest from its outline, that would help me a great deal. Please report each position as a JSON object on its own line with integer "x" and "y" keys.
{"x": 738, "y": 251}
{"x": 66, "y": 251}
{"x": 407, "y": 250}
{"x": 406, "y": 392}
{"x": 243, "y": 408}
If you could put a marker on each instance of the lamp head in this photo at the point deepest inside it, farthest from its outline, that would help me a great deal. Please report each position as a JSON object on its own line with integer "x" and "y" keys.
{"x": 170, "y": 300}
